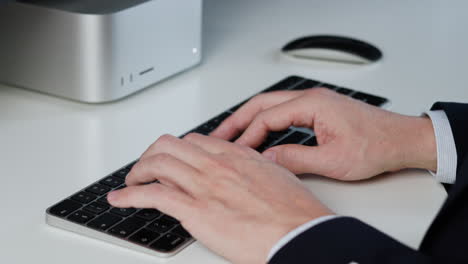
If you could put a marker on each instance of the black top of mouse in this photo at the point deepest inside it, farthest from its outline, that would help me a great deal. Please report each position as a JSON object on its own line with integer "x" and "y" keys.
{"x": 333, "y": 48}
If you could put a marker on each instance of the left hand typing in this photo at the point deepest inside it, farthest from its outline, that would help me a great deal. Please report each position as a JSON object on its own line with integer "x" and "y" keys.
{"x": 229, "y": 197}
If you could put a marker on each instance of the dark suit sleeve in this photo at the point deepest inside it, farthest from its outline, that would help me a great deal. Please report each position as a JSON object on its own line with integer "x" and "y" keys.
{"x": 346, "y": 240}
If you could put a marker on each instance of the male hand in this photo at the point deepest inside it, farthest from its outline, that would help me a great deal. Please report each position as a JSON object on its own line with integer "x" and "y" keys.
{"x": 228, "y": 196}
{"x": 356, "y": 140}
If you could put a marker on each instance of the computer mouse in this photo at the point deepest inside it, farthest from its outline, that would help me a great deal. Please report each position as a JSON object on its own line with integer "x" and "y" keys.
{"x": 333, "y": 48}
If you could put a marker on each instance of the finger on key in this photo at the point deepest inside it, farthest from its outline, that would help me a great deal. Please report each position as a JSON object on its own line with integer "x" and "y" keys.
{"x": 165, "y": 168}
{"x": 296, "y": 112}
{"x": 158, "y": 196}
{"x": 217, "y": 146}
{"x": 240, "y": 120}
{"x": 181, "y": 149}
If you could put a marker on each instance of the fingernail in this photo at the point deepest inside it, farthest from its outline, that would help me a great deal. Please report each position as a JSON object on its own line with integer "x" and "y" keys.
{"x": 271, "y": 155}
{"x": 112, "y": 197}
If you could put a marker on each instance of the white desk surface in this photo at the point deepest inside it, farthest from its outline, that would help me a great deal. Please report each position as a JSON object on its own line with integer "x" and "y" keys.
{"x": 50, "y": 147}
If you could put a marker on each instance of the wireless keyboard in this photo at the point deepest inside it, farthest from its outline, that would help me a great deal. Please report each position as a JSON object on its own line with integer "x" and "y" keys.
{"x": 150, "y": 231}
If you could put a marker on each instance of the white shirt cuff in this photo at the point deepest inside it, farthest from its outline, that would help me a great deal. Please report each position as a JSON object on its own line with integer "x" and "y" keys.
{"x": 299, "y": 230}
{"x": 446, "y": 149}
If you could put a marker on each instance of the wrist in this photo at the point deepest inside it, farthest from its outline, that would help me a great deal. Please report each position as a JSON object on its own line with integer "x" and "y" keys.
{"x": 418, "y": 145}
{"x": 298, "y": 231}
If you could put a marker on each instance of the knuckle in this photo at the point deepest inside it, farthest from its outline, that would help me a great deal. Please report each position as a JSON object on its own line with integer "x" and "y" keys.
{"x": 258, "y": 98}
{"x": 162, "y": 158}
{"x": 219, "y": 164}
{"x": 192, "y": 136}
{"x": 145, "y": 165}
{"x": 166, "y": 138}
{"x": 261, "y": 117}
{"x": 214, "y": 163}
{"x": 263, "y": 120}
{"x": 219, "y": 187}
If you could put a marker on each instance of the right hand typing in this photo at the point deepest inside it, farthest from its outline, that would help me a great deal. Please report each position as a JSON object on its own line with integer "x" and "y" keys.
{"x": 356, "y": 141}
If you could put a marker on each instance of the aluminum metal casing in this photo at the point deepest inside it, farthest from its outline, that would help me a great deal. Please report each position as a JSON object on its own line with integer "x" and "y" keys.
{"x": 98, "y": 56}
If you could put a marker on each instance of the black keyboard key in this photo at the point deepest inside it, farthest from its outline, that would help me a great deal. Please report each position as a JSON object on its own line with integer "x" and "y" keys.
{"x": 344, "y": 91}
{"x": 235, "y": 138}
{"x": 285, "y": 84}
{"x": 219, "y": 119}
{"x": 65, "y": 208}
{"x": 329, "y": 86}
{"x": 112, "y": 181}
{"x": 123, "y": 211}
{"x": 105, "y": 221}
{"x": 265, "y": 145}
{"x": 180, "y": 231}
{"x": 144, "y": 237}
{"x": 84, "y": 197}
{"x": 370, "y": 99}
{"x": 306, "y": 85}
{"x": 103, "y": 200}
{"x": 208, "y": 127}
{"x": 275, "y": 135}
{"x": 201, "y": 130}
{"x": 96, "y": 208}
{"x": 81, "y": 217}
{"x": 127, "y": 227}
{"x": 211, "y": 125}
{"x": 294, "y": 138}
{"x": 271, "y": 138}
{"x": 148, "y": 214}
{"x": 161, "y": 225}
{"x": 311, "y": 142}
{"x": 98, "y": 189}
{"x": 121, "y": 173}
{"x": 168, "y": 242}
